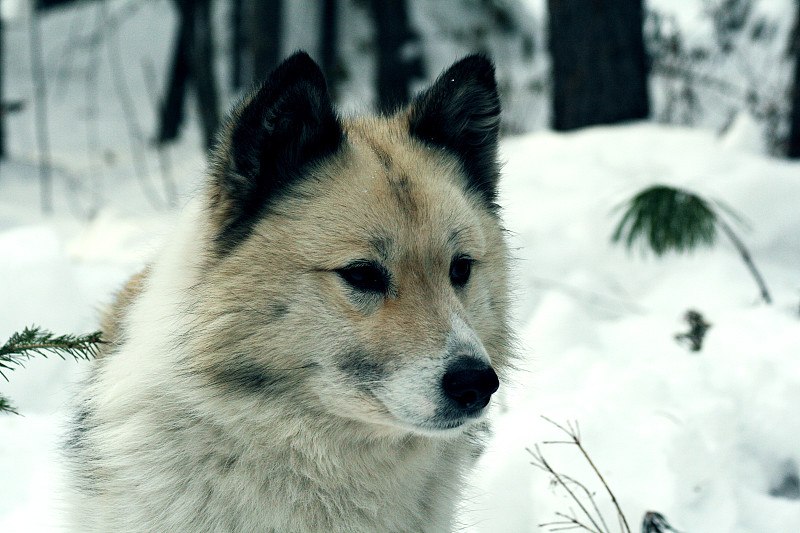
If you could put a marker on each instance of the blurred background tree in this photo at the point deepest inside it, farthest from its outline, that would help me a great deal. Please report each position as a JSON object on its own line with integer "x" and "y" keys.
{"x": 599, "y": 62}
{"x": 563, "y": 64}
{"x": 793, "y": 52}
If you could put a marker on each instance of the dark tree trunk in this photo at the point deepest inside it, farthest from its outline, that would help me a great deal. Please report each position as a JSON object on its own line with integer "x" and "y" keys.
{"x": 237, "y": 44}
{"x": 192, "y": 60}
{"x": 47, "y": 4}
{"x": 265, "y": 36}
{"x": 599, "y": 62}
{"x": 793, "y": 148}
{"x": 2, "y": 101}
{"x": 202, "y": 70}
{"x": 329, "y": 52}
{"x": 395, "y": 69}
{"x": 171, "y": 113}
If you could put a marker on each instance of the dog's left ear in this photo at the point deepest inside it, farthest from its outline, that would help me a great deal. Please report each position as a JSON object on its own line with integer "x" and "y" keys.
{"x": 461, "y": 112}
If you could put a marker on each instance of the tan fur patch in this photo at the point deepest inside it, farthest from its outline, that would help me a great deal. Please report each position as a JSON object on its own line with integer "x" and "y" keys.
{"x": 114, "y": 317}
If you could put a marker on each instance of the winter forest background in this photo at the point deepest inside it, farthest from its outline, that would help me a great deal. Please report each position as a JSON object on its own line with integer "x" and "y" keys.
{"x": 650, "y": 190}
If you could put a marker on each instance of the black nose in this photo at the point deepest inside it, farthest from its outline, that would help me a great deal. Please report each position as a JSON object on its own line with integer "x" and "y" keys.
{"x": 470, "y": 383}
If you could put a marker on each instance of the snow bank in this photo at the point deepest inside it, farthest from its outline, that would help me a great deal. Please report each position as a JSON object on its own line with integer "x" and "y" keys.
{"x": 711, "y": 440}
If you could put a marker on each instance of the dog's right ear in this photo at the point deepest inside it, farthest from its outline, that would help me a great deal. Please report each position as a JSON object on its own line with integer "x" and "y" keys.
{"x": 284, "y": 126}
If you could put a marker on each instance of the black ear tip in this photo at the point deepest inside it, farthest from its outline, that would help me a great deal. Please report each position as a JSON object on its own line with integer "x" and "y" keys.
{"x": 299, "y": 66}
{"x": 476, "y": 66}
{"x": 477, "y": 61}
{"x": 299, "y": 59}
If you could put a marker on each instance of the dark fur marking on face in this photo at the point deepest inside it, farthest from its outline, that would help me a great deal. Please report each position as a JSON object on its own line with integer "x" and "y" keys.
{"x": 227, "y": 464}
{"x": 248, "y": 376}
{"x": 382, "y": 155}
{"x": 277, "y": 310}
{"x": 403, "y": 190}
{"x": 382, "y": 247}
{"x": 363, "y": 367}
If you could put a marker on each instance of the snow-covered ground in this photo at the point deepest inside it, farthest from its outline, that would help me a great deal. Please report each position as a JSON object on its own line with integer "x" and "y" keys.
{"x": 703, "y": 438}
{"x": 709, "y": 439}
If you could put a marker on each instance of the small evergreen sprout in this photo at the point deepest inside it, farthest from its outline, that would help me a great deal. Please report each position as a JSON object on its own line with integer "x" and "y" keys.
{"x": 32, "y": 341}
{"x": 654, "y": 522}
{"x": 670, "y": 219}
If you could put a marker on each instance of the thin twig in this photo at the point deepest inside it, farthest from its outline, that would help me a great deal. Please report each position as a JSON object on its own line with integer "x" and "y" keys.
{"x": 574, "y": 435}
{"x": 129, "y": 111}
{"x": 150, "y": 81}
{"x": 40, "y": 111}
{"x": 748, "y": 261}
{"x": 542, "y": 463}
{"x": 92, "y": 117}
{"x": 94, "y": 39}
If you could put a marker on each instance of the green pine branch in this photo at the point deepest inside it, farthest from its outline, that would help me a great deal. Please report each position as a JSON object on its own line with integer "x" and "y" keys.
{"x": 6, "y": 406}
{"x": 669, "y": 219}
{"x": 33, "y": 341}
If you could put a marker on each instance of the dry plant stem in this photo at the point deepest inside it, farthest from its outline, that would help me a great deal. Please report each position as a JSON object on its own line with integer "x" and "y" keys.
{"x": 590, "y": 497}
{"x": 623, "y": 521}
{"x": 138, "y": 154}
{"x": 151, "y": 82}
{"x": 542, "y": 463}
{"x": 92, "y": 119}
{"x": 40, "y": 111}
{"x": 569, "y": 522}
{"x": 748, "y": 261}
{"x": 573, "y": 434}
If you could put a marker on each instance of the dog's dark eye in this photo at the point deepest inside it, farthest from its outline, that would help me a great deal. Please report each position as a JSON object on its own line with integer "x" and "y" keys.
{"x": 460, "y": 269}
{"x": 365, "y": 277}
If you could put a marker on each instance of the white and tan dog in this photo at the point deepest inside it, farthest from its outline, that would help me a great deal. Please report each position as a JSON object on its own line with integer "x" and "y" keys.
{"x": 315, "y": 348}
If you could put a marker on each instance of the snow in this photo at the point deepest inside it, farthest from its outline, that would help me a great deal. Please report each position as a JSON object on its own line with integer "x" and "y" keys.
{"x": 707, "y": 438}
{"x": 702, "y": 438}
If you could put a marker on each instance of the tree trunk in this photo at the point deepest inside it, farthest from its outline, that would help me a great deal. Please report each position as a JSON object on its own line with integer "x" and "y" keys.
{"x": 265, "y": 36}
{"x": 793, "y": 148}
{"x": 171, "y": 115}
{"x": 395, "y": 68}
{"x": 2, "y": 101}
{"x": 599, "y": 62}
{"x": 40, "y": 113}
{"x": 202, "y": 70}
{"x": 192, "y": 60}
{"x": 237, "y": 44}
{"x": 329, "y": 58}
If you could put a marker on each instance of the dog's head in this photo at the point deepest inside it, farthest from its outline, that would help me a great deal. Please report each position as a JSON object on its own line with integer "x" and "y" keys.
{"x": 359, "y": 265}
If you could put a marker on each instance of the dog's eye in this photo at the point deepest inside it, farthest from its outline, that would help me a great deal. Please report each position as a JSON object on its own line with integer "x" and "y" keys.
{"x": 365, "y": 277}
{"x": 460, "y": 269}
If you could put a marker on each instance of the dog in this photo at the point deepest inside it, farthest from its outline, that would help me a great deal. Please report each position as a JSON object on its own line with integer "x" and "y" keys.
{"x": 316, "y": 346}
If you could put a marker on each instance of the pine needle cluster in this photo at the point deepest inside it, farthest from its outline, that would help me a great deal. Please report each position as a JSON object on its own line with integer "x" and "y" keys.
{"x": 32, "y": 341}
{"x": 670, "y": 219}
{"x": 667, "y": 219}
